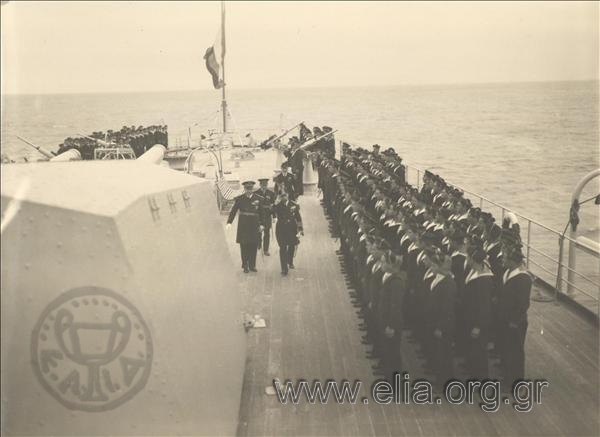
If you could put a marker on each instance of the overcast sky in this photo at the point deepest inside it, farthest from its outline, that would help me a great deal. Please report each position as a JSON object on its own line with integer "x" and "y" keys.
{"x": 56, "y": 47}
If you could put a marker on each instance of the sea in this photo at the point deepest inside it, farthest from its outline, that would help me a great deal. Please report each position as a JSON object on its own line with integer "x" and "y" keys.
{"x": 522, "y": 145}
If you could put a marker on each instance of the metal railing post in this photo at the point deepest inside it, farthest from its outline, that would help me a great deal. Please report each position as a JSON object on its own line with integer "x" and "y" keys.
{"x": 561, "y": 243}
{"x": 572, "y": 264}
{"x": 528, "y": 241}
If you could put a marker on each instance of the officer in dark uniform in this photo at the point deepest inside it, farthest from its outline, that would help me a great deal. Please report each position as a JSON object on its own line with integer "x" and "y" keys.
{"x": 329, "y": 142}
{"x": 285, "y": 183}
{"x": 249, "y": 224}
{"x": 267, "y": 212}
{"x": 297, "y": 163}
{"x": 289, "y": 224}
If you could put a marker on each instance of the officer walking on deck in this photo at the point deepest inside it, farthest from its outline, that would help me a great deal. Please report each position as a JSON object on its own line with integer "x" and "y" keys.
{"x": 250, "y": 225}
{"x": 267, "y": 212}
{"x": 289, "y": 224}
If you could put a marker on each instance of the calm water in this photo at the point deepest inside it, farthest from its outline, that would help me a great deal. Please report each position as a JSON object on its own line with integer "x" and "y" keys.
{"x": 523, "y": 145}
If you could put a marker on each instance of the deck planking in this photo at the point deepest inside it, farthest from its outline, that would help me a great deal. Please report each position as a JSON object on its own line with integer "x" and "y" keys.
{"x": 313, "y": 334}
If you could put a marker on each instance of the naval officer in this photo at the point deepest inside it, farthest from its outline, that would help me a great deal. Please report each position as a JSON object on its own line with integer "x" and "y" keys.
{"x": 297, "y": 163}
{"x": 250, "y": 224}
{"x": 267, "y": 212}
{"x": 285, "y": 183}
{"x": 289, "y": 224}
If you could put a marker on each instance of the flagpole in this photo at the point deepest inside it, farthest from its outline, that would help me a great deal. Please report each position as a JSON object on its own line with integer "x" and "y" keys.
{"x": 224, "y": 102}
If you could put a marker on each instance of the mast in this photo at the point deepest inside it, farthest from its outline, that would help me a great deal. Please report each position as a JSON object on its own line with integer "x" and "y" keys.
{"x": 224, "y": 100}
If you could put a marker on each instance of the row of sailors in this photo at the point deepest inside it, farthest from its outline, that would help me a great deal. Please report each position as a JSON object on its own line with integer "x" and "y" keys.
{"x": 140, "y": 139}
{"x": 429, "y": 262}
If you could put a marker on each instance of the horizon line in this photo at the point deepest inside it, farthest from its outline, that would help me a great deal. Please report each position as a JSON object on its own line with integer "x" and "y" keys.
{"x": 427, "y": 84}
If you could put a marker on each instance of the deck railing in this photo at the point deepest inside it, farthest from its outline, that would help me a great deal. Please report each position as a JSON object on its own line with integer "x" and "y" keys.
{"x": 544, "y": 249}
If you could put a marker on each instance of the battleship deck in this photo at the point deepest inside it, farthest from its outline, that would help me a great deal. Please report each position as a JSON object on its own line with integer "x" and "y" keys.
{"x": 313, "y": 333}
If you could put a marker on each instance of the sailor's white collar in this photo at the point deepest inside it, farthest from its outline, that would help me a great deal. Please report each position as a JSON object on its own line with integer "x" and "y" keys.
{"x": 438, "y": 278}
{"x": 487, "y": 247}
{"x": 509, "y": 274}
{"x": 474, "y": 274}
{"x": 376, "y": 267}
{"x": 385, "y": 277}
{"x": 428, "y": 274}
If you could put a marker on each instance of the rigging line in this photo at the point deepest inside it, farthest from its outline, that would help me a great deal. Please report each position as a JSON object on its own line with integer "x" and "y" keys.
{"x": 201, "y": 120}
{"x": 235, "y": 129}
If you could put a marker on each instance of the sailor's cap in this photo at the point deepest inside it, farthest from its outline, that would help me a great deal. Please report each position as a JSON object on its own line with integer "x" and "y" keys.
{"x": 263, "y": 180}
{"x": 248, "y": 184}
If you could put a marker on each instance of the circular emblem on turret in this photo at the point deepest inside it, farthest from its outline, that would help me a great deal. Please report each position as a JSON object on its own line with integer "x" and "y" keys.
{"x": 91, "y": 349}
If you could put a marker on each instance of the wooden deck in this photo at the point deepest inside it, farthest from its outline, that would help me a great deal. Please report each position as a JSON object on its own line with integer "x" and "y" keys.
{"x": 313, "y": 333}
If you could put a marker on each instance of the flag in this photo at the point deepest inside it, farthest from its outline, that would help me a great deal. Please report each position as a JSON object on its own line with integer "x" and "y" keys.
{"x": 213, "y": 58}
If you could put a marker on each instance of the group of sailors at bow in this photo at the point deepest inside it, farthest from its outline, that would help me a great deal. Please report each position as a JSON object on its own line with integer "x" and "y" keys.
{"x": 140, "y": 139}
{"x": 428, "y": 261}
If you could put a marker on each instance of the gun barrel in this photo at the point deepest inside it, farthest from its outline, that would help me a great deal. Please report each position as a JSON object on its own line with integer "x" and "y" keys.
{"x": 40, "y": 149}
{"x": 153, "y": 155}
{"x": 69, "y": 155}
{"x": 283, "y": 134}
{"x": 98, "y": 140}
{"x": 314, "y": 140}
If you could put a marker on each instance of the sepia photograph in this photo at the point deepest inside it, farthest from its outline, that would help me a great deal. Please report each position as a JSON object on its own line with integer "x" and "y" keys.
{"x": 300, "y": 218}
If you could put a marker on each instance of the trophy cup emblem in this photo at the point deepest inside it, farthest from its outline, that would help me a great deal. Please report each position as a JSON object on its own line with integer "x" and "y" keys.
{"x": 91, "y": 349}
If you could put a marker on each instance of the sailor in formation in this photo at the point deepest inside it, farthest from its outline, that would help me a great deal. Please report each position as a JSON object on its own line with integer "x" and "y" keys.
{"x": 427, "y": 262}
{"x": 250, "y": 224}
{"x": 269, "y": 198}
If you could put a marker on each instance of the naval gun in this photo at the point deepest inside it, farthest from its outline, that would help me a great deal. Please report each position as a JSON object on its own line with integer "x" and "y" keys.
{"x": 120, "y": 314}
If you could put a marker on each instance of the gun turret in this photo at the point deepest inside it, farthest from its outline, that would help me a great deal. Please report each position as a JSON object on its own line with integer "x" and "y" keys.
{"x": 104, "y": 328}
